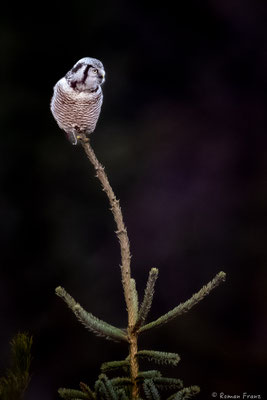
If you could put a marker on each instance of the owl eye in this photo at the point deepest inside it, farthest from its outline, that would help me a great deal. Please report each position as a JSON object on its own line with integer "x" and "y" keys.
{"x": 94, "y": 70}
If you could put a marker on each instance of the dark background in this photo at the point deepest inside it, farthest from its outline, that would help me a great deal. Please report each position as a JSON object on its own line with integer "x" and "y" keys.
{"x": 182, "y": 135}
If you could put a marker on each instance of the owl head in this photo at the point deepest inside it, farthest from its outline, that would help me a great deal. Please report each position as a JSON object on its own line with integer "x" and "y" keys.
{"x": 86, "y": 75}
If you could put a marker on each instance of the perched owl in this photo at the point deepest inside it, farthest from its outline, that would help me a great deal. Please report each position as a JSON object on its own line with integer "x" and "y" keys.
{"x": 78, "y": 97}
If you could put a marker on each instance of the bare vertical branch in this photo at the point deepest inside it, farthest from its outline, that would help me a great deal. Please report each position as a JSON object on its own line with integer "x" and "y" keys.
{"x": 122, "y": 235}
{"x": 121, "y": 231}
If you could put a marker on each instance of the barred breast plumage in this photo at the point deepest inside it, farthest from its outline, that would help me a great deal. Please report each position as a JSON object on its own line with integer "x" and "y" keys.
{"x": 78, "y": 97}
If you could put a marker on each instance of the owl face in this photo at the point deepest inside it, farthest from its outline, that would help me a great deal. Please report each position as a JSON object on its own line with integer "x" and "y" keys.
{"x": 86, "y": 75}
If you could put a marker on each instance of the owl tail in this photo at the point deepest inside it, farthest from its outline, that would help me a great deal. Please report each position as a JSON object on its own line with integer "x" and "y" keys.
{"x": 72, "y": 138}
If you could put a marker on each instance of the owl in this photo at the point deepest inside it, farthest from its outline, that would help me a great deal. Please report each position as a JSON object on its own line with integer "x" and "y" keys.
{"x": 78, "y": 97}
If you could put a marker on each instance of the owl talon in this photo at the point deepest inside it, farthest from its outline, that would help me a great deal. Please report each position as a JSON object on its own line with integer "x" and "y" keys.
{"x": 83, "y": 138}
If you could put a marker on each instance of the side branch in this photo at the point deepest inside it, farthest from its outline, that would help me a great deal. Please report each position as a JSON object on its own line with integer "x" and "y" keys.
{"x": 148, "y": 297}
{"x": 94, "y": 324}
{"x": 121, "y": 231}
{"x": 187, "y": 305}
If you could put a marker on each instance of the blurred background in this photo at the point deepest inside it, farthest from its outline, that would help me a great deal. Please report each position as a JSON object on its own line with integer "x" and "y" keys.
{"x": 182, "y": 135}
